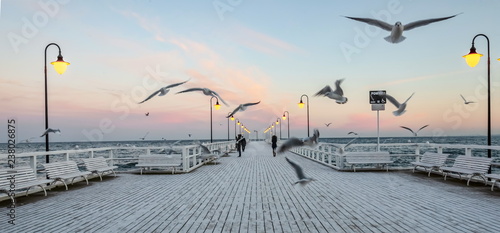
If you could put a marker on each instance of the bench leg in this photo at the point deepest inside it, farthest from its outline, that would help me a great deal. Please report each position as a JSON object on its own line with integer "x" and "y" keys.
{"x": 114, "y": 173}
{"x": 65, "y": 185}
{"x": 493, "y": 185}
{"x": 100, "y": 175}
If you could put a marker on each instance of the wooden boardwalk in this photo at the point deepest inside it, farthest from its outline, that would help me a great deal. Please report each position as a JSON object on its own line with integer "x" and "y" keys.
{"x": 254, "y": 194}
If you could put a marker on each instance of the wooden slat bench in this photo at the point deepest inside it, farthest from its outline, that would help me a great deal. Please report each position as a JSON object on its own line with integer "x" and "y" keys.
{"x": 494, "y": 179}
{"x": 159, "y": 161}
{"x": 60, "y": 171}
{"x": 431, "y": 160}
{"x": 99, "y": 166}
{"x": 22, "y": 178}
{"x": 358, "y": 158}
{"x": 469, "y": 166}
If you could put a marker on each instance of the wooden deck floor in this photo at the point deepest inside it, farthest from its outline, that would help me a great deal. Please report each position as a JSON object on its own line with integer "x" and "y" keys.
{"x": 254, "y": 194}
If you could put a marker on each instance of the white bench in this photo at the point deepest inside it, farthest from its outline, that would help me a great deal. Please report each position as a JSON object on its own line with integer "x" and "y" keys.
{"x": 494, "y": 177}
{"x": 431, "y": 160}
{"x": 159, "y": 161}
{"x": 469, "y": 166}
{"x": 21, "y": 178}
{"x": 359, "y": 158}
{"x": 60, "y": 171}
{"x": 99, "y": 166}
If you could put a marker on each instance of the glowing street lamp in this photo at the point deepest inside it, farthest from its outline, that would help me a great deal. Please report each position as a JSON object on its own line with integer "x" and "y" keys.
{"x": 472, "y": 59}
{"x": 60, "y": 66}
{"x": 288, "y": 124}
{"x": 217, "y": 107}
{"x": 301, "y": 105}
{"x": 278, "y": 123}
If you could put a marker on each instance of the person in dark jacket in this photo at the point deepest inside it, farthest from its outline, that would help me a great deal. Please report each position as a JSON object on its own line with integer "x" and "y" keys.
{"x": 274, "y": 141}
{"x": 243, "y": 143}
{"x": 239, "y": 140}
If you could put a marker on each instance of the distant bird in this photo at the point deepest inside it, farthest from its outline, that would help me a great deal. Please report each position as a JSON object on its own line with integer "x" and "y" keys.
{"x": 303, "y": 180}
{"x": 205, "y": 91}
{"x": 465, "y": 101}
{"x": 241, "y": 108}
{"x": 328, "y": 124}
{"x": 352, "y": 133}
{"x": 207, "y": 154}
{"x": 147, "y": 114}
{"x": 294, "y": 142}
{"x": 337, "y": 95}
{"x": 341, "y": 148}
{"x": 144, "y": 136}
{"x": 401, "y": 107}
{"x": 189, "y": 134}
{"x": 398, "y": 28}
{"x": 163, "y": 91}
{"x": 50, "y": 130}
{"x": 413, "y": 132}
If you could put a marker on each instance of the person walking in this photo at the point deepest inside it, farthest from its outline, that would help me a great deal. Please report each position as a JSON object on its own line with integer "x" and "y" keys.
{"x": 274, "y": 141}
{"x": 243, "y": 143}
{"x": 239, "y": 140}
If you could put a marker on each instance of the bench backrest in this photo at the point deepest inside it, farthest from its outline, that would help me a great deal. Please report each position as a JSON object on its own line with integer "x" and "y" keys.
{"x": 60, "y": 168}
{"x": 22, "y": 174}
{"x": 434, "y": 158}
{"x": 158, "y": 159}
{"x": 479, "y": 164}
{"x": 95, "y": 163}
{"x": 367, "y": 156}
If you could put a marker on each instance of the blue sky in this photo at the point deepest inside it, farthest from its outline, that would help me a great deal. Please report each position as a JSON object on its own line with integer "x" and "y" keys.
{"x": 247, "y": 51}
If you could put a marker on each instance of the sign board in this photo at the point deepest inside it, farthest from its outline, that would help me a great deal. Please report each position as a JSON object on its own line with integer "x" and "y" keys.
{"x": 378, "y": 107}
{"x": 377, "y": 97}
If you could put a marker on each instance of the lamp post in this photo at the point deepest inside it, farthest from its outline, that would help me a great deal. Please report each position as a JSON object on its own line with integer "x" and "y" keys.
{"x": 60, "y": 66}
{"x": 232, "y": 118}
{"x": 217, "y": 107}
{"x": 288, "y": 123}
{"x": 256, "y": 135}
{"x": 301, "y": 105}
{"x": 472, "y": 59}
{"x": 278, "y": 121}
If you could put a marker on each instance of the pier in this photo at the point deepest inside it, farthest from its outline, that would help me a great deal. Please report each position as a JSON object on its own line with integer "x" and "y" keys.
{"x": 254, "y": 193}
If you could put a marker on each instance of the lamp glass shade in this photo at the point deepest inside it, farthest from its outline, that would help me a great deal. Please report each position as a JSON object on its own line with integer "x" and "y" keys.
{"x": 301, "y": 104}
{"x": 277, "y": 122}
{"x": 217, "y": 106}
{"x": 60, "y": 65}
{"x": 472, "y": 58}
{"x": 283, "y": 117}
{"x": 238, "y": 123}
{"x": 232, "y": 117}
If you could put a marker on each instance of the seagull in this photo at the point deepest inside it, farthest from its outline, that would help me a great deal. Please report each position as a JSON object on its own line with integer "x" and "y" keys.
{"x": 241, "y": 108}
{"x": 205, "y": 91}
{"x": 147, "y": 114}
{"x": 144, "y": 136}
{"x": 207, "y": 154}
{"x": 50, "y": 130}
{"x": 163, "y": 91}
{"x": 401, "y": 107}
{"x": 328, "y": 124}
{"x": 341, "y": 148}
{"x": 352, "y": 133}
{"x": 414, "y": 133}
{"x": 337, "y": 95}
{"x": 303, "y": 180}
{"x": 398, "y": 28}
{"x": 465, "y": 101}
{"x": 294, "y": 142}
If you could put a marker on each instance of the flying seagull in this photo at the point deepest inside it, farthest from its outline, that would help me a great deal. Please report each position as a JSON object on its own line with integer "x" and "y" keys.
{"x": 337, "y": 95}
{"x": 413, "y": 132}
{"x": 162, "y": 91}
{"x": 328, "y": 124}
{"x": 205, "y": 91}
{"x": 294, "y": 142}
{"x": 352, "y": 133}
{"x": 341, "y": 148}
{"x": 147, "y": 114}
{"x": 144, "y": 136}
{"x": 241, "y": 108}
{"x": 401, "y": 107}
{"x": 50, "y": 130}
{"x": 398, "y": 28}
{"x": 465, "y": 101}
{"x": 303, "y": 180}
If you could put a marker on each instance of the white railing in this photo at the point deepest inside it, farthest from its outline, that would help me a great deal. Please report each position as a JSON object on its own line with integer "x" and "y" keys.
{"x": 189, "y": 153}
{"x": 327, "y": 153}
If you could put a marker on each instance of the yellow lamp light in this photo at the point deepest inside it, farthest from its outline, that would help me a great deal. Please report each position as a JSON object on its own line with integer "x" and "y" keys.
{"x": 301, "y": 104}
{"x": 277, "y": 122}
{"x": 217, "y": 106}
{"x": 232, "y": 117}
{"x": 472, "y": 58}
{"x": 238, "y": 123}
{"x": 283, "y": 117}
{"x": 60, "y": 65}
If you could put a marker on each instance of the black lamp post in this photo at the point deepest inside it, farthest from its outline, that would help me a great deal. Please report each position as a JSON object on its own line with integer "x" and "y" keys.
{"x": 278, "y": 122}
{"x": 217, "y": 106}
{"x": 232, "y": 118}
{"x": 60, "y": 66}
{"x": 288, "y": 123}
{"x": 301, "y": 105}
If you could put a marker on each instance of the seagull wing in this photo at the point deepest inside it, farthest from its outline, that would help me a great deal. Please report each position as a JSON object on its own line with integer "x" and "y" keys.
{"x": 392, "y": 100}
{"x": 298, "y": 169}
{"x": 463, "y": 98}
{"x": 176, "y": 84}
{"x": 218, "y": 96}
{"x": 352, "y": 133}
{"x": 292, "y": 142}
{"x": 45, "y": 132}
{"x": 204, "y": 149}
{"x": 404, "y": 127}
{"x": 323, "y": 91}
{"x": 350, "y": 142}
{"x": 409, "y": 97}
{"x": 338, "y": 89}
{"x": 424, "y": 22}
{"x": 151, "y": 96}
{"x": 422, "y": 128}
{"x": 234, "y": 111}
{"x": 190, "y": 89}
{"x": 373, "y": 22}
{"x": 250, "y": 104}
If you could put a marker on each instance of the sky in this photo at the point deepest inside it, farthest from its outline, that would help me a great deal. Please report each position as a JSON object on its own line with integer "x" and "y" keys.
{"x": 121, "y": 51}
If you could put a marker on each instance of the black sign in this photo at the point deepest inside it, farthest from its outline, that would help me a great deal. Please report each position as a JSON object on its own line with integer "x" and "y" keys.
{"x": 377, "y": 97}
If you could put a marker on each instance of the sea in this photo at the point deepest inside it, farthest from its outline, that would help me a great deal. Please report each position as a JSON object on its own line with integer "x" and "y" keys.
{"x": 129, "y": 147}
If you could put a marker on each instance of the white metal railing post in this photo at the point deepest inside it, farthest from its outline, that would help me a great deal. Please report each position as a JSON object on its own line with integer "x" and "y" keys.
{"x": 91, "y": 154}
{"x": 468, "y": 152}
{"x": 111, "y": 157}
{"x": 33, "y": 162}
{"x": 66, "y": 157}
